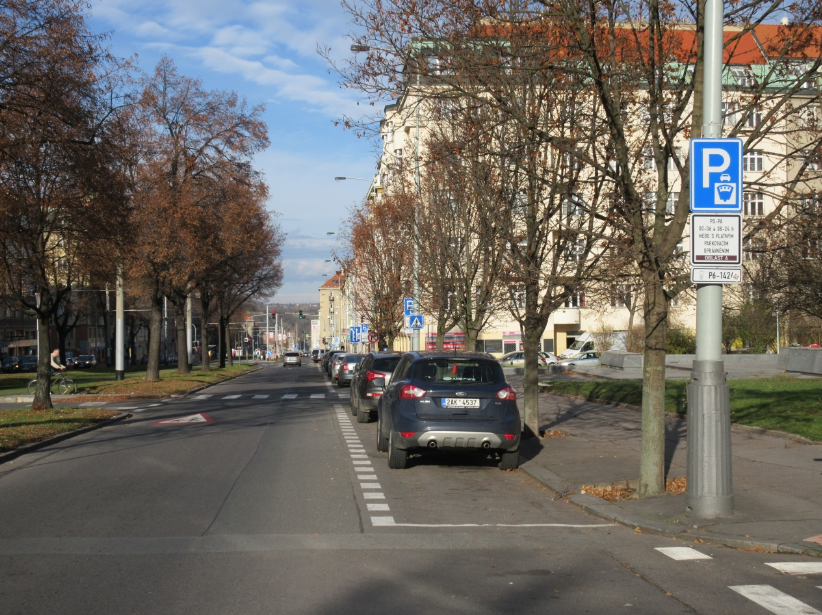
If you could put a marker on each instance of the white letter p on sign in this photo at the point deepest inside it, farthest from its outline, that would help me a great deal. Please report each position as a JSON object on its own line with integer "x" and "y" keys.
{"x": 707, "y": 169}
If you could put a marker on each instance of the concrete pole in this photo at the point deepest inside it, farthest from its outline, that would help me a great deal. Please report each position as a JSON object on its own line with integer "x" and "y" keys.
{"x": 189, "y": 337}
{"x": 710, "y": 486}
{"x": 267, "y": 336}
{"x": 119, "y": 328}
{"x": 415, "y": 333}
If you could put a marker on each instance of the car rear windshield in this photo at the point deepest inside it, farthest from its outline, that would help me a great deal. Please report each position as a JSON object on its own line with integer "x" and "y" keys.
{"x": 292, "y": 354}
{"x": 385, "y": 365}
{"x": 455, "y": 371}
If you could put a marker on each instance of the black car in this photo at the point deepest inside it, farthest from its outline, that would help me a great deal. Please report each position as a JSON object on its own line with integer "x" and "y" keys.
{"x": 451, "y": 401}
{"x": 328, "y": 360}
{"x": 28, "y": 363}
{"x": 11, "y": 365}
{"x": 84, "y": 361}
{"x": 369, "y": 382}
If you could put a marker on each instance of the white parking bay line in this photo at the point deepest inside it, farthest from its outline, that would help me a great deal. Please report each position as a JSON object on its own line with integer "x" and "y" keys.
{"x": 377, "y": 507}
{"x": 359, "y": 469}
{"x": 682, "y": 553}
{"x": 369, "y": 486}
{"x": 797, "y": 567}
{"x": 260, "y": 397}
{"x": 367, "y": 476}
{"x": 369, "y": 495}
{"x": 773, "y": 600}
{"x": 232, "y": 397}
{"x": 362, "y": 462}
{"x": 358, "y": 456}
{"x": 289, "y": 396}
{"x": 318, "y": 396}
{"x": 202, "y": 397}
{"x": 382, "y": 521}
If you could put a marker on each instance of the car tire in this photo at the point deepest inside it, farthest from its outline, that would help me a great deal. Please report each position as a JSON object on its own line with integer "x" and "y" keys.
{"x": 363, "y": 416}
{"x": 397, "y": 458}
{"x": 382, "y": 442}
{"x": 509, "y": 460}
{"x": 353, "y": 407}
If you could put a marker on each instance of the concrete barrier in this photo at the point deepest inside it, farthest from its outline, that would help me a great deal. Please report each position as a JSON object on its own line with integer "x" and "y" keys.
{"x": 618, "y": 359}
{"x": 802, "y": 360}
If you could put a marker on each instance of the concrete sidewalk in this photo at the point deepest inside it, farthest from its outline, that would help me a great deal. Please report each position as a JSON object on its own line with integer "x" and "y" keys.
{"x": 777, "y": 481}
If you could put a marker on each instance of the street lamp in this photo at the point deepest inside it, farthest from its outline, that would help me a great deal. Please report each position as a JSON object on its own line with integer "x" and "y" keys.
{"x": 340, "y": 179}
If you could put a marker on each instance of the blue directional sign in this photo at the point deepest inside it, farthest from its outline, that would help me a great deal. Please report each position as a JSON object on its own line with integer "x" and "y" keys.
{"x": 716, "y": 175}
{"x": 415, "y": 321}
{"x": 408, "y": 306}
{"x": 354, "y": 335}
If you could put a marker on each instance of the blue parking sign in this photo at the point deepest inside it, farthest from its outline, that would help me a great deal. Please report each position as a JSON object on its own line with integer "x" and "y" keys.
{"x": 408, "y": 306}
{"x": 716, "y": 175}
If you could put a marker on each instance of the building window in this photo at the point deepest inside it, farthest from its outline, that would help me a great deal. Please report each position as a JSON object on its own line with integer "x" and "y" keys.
{"x": 812, "y": 162}
{"x": 754, "y": 203}
{"x": 672, "y": 159}
{"x": 670, "y": 203}
{"x": 754, "y": 118}
{"x": 810, "y": 205}
{"x": 811, "y": 248}
{"x": 574, "y": 248}
{"x": 620, "y": 296}
{"x": 730, "y": 113}
{"x": 516, "y": 300}
{"x": 573, "y": 205}
{"x": 648, "y": 160}
{"x": 575, "y": 300}
{"x": 649, "y": 205}
{"x": 752, "y": 161}
{"x": 744, "y": 77}
{"x": 398, "y": 155}
{"x": 754, "y": 248}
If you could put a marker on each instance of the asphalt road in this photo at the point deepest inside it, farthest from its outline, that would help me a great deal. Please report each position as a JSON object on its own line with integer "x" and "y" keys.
{"x": 268, "y": 498}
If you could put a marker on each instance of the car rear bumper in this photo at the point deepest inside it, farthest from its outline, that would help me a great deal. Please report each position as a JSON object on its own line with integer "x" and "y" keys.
{"x": 461, "y": 440}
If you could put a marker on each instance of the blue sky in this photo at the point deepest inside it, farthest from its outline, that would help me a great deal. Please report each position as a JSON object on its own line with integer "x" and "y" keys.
{"x": 267, "y": 52}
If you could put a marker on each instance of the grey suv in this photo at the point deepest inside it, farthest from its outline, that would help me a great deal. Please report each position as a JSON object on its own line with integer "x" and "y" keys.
{"x": 292, "y": 358}
{"x": 369, "y": 382}
{"x": 452, "y": 401}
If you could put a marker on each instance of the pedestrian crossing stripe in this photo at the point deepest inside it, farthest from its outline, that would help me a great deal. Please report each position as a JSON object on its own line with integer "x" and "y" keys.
{"x": 232, "y": 396}
{"x": 774, "y": 600}
{"x": 191, "y": 419}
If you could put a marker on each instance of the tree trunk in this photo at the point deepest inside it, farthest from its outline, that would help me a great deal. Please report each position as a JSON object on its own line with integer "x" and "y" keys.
{"x": 155, "y": 326}
{"x": 531, "y": 337}
{"x": 107, "y": 329}
{"x": 221, "y": 341}
{"x": 652, "y": 456}
{"x": 42, "y": 394}
{"x": 440, "y": 334}
{"x": 471, "y": 335}
{"x": 205, "y": 304}
{"x": 183, "y": 366}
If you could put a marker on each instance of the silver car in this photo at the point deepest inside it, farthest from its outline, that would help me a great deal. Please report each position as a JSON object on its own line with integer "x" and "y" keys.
{"x": 583, "y": 359}
{"x": 292, "y": 358}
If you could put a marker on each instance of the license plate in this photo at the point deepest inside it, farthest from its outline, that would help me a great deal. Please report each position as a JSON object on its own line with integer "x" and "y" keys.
{"x": 458, "y": 402}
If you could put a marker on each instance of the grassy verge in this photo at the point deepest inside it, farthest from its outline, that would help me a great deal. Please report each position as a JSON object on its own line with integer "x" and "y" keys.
{"x": 102, "y": 381}
{"x": 19, "y": 427}
{"x": 785, "y": 404}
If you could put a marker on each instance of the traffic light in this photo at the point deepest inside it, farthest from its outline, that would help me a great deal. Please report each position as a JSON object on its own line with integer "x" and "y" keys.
{"x": 301, "y": 314}
{"x": 273, "y": 312}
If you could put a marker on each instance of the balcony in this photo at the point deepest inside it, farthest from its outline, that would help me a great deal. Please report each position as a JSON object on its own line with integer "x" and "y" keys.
{"x": 566, "y": 316}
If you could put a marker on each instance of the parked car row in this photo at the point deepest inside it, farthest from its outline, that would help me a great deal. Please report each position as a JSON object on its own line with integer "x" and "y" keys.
{"x": 517, "y": 359}
{"x": 437, "y": 401}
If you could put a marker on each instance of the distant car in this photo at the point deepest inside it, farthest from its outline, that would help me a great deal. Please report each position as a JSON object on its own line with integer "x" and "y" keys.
{"x": 546, "y": 358}
{"x": 586, "y": 359}
{"x": 370, "y": 378}
{"x": 28, "y": 363}
{"x": 315, "y": 355}
{"x": 11, "y": 365}
{"x": 69, "y": 362}
{"x": 513, "y": 359}
{"x": 329, "y": 354}
{"x": 292, "y": 358}
{"x": 347, "y": 367}
{"x": 84, "y": 361}
{"x": 334, "y": 365}
{"x": 144, "y": 359}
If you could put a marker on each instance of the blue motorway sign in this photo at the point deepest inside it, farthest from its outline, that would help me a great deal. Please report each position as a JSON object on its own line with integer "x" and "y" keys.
{"x": 415, "y": 321}
{"x": 408, "y": 306}
{"x": 716, "y": 175}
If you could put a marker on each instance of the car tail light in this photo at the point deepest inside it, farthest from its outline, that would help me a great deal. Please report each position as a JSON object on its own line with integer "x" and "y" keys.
{"x": 510, "y": 436}
{"x": 407, "y": 434}
{"x": 409, "y": 391}
{"x": 373, "y": 375}
{"x": 373, "y": 394}
{"x": 348, "y": 367}
{"x": 507, "y": 393}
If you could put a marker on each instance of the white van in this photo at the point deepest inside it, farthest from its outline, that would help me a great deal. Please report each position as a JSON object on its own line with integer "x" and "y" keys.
{"x": 583, "y": 343}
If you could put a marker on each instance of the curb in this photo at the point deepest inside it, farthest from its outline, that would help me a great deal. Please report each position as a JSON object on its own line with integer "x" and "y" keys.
{"x": 611, "y": 512}
{"x": 761, "y": 431}
{"x": 34, "y": 446}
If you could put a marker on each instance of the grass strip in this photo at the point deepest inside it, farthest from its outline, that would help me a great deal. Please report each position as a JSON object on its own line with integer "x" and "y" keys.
{"x": 102, "y": 380}
{"x": 22, "y": 426}
{"x": 782, "y": 403}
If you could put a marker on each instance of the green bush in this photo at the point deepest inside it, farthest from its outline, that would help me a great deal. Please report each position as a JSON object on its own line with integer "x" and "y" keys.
{"x": 680, "y": 341}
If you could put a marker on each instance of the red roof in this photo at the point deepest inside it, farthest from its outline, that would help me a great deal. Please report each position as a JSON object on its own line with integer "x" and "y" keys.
{"x": 335, "y": 281}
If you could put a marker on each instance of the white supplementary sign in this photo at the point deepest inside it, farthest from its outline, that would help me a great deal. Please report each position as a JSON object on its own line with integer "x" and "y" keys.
{"x": 716, "y": 240}
{"x": 716, "y": 175}
{"x": 716, "y": 275}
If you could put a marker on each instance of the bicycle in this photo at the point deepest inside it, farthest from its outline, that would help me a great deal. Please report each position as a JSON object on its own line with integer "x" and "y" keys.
{"x": 60, "y": 385}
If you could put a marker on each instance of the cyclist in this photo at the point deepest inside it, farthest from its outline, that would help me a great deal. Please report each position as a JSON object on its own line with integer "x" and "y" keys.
{"x": 55, "y": 361}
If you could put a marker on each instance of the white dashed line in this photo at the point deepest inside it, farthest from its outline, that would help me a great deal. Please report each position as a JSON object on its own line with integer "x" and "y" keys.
{"x": 202, "y": 397}
{"x": 289, "y": 396}
{"x": 362, "y": 462}
{"x": 682, "y": 553}
{"x": 358, "y": 456}
{"x": 370, "y": 486}
{"x": 377, "y": 507}
{"x": 138, "y": 410}
{"x": 368, "y": 495}
{"x": 154, "y": 405}
{"x": 318, "y": 396}
{"x": 798, "y": 567}
{"x": 261, "y": 397}
{"x": 382, "y": 521}
{"x": 92, "y": 404}
{"x": 126, "y": 408}
{"x": 232, "y": 397}
{"x": 359, "y": 469}
{"x": 773, "y": 600}
{"x": 367, "y": 476}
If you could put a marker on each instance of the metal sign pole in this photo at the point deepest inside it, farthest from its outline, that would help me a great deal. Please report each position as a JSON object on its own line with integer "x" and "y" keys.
{"x": 710, "y": 488}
